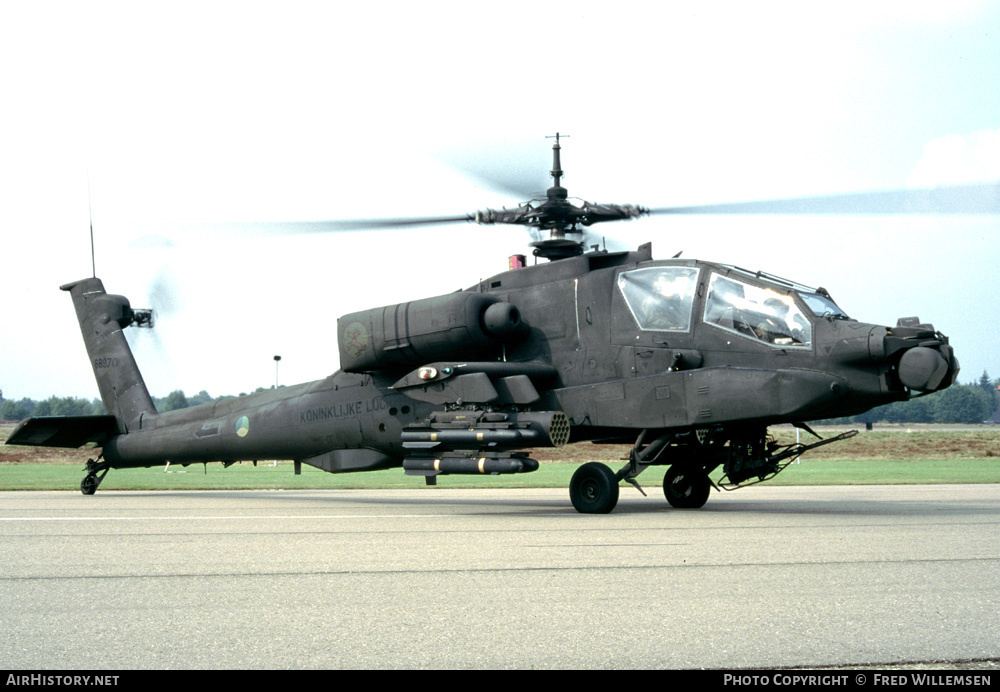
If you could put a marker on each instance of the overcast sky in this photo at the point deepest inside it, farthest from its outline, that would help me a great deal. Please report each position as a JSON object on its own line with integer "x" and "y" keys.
{"x": 212, "y": 112}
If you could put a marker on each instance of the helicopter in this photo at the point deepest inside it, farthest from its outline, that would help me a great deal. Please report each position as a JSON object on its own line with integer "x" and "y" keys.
{"x": 688, "y": 361}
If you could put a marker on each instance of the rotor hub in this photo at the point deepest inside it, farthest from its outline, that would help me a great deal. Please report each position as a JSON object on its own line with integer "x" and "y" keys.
{"x": 558, "y": 216}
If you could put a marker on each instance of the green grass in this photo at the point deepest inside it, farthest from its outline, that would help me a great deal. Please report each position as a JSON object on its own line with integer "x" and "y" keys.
{"x": 62, "y": 476}
{"x": 888, "y": 455}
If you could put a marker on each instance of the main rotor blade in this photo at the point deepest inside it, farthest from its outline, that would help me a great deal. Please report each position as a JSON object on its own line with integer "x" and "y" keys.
{"x": 960, "y": 199}
{"x": 345, "y": 225}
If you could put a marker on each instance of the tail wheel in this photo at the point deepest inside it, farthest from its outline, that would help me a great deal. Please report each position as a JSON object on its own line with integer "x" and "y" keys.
{"x": 594, "y": 489}
{"x": 686, "y": 487}
{"x": 96, "y": 471}
{"x": 89, "y": 484}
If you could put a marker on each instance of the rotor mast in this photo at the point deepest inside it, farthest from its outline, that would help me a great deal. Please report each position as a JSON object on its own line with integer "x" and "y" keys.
{"x": 557, "y": 215}
{"x": 558, "y": 208}
{"x": 556, "y": 171}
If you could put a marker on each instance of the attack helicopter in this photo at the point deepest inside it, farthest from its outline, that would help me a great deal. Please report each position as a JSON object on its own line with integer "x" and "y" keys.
{"x": 688, "y": 361}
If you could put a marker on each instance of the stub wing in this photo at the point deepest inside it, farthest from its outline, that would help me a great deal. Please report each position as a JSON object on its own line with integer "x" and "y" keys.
{"x": 499, "y": 383}
{"x": 64, "y": 431}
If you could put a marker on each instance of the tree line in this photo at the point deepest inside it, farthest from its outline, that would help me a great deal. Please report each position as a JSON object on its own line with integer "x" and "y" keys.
{"x": 977, "y": 402}
{"x": 19, "y": 409}
{"x": 961, "y": 403}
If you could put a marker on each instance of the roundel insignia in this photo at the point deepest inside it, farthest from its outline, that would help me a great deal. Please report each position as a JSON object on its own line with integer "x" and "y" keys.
{"x": 243, "y": 426}
{"x": 355, "y": 339}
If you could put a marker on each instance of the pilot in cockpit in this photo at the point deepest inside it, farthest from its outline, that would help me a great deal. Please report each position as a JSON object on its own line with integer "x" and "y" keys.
{"x": 663, "y": 308}
{"x": 775, "y": 327}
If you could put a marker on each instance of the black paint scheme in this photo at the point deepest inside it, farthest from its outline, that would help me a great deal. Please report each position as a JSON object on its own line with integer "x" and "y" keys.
{"x": 688, "y": 361}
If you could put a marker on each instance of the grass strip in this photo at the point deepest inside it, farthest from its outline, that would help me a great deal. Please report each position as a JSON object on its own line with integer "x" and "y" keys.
{"x": 264, "y": 476}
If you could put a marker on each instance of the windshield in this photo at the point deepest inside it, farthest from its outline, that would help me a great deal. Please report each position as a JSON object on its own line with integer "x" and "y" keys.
{"x": 660, "y": 298}
{"x": 822, "y": 306}
{"x": 756, "y": 312}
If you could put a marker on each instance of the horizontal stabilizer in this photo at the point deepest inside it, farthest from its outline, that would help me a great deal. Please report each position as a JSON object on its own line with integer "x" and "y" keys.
{"x": 64, "y": 431}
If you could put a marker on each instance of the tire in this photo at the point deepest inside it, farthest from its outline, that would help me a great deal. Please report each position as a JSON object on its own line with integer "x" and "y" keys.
{"x": 686, "y": 487}
{"x": 88, "y": 486}
{"x": 594, "y": 489}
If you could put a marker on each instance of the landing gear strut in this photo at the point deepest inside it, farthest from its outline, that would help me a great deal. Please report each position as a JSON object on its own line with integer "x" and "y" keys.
{"x": 747, "y": 455}
{"x": 96, "y": 471}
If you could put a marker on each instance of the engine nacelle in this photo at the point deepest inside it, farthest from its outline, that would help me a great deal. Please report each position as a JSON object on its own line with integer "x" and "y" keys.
{"x": 461, "y": 325}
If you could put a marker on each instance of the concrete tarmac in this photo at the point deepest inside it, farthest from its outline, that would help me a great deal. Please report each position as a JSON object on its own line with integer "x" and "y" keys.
{"x": 505, "y": 578}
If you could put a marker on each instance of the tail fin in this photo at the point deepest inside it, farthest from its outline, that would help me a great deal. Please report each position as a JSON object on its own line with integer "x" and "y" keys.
{"x": 102, "y": 318}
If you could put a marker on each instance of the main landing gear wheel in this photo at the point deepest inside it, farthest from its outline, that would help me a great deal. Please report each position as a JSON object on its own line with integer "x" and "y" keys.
{"x": 686, "y": 487}
{"x": 594, "y": 489}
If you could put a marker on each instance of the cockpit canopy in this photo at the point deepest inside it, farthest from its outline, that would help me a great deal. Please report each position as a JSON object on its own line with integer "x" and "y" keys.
{"x": 822, "y": 305}
{"x": 756, "y": 312}
{"x": 776, "y": 312}
{"x": 660, "y": 298}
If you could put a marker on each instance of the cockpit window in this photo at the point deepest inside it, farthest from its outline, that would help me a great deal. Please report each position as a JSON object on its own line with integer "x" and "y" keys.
{"x": 822, "y": 306}
{"x": 756, "y": 312}
{"x": 660, "y": 298}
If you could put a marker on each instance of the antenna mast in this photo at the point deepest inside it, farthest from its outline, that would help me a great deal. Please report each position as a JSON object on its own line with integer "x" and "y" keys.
{"x": 90, "y": 214}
